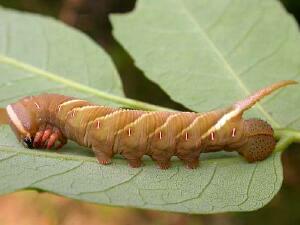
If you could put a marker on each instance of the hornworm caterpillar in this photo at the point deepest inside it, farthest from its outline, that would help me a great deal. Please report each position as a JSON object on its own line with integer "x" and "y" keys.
{"x": 48, "y": 120}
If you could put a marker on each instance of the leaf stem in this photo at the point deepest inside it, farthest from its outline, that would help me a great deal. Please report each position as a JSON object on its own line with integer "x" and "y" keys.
{"x": 54, "y": 77}
{"x": 286, "y": 137}
{"x": 283, "y": 143}
{"x": 280, "y": 133}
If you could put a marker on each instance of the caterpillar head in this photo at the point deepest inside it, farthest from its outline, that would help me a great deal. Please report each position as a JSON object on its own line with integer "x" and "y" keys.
{"x": 22, "y": 121}
{"x": 259, "y": 140}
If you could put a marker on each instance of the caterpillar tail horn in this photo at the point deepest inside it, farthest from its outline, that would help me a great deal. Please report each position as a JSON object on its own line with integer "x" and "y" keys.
{"x": 241, "y": 106}
{"x": 247, "y": 103}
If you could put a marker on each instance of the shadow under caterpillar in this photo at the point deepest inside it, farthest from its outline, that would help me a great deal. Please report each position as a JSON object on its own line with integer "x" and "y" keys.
{"x": 48, "y": 120}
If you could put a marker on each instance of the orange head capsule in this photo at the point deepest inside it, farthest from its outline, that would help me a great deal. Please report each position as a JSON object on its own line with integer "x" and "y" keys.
{"x": 22, "y": 121}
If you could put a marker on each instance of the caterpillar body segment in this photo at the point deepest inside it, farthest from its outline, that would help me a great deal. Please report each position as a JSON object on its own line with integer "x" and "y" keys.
{"x": 163, "y": 141}
{"x": 132, "y": 140}
{"x": 78, "y": 120}
{"x": 103, "y": 130}
{"x": 49, "y": 120}
{"x": 189, "y": 145}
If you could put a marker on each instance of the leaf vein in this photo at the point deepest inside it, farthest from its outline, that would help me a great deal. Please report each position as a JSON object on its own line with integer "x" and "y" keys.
{"x": 271, "y": 54}
{"x": 249, "y": 185}
{"x": 113, "y": 186}
{"x": 246, "y": 35}
{"x": 56, "y": 174}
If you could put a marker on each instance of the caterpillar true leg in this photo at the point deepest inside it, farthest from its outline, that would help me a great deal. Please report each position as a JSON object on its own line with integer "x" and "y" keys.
{"x": 55, "y": 136}
{"x": 47, "y": 136}
{"x": 37, "y": 139}
{"x": 52, "y": 139}
{"x": 38, "y": 136}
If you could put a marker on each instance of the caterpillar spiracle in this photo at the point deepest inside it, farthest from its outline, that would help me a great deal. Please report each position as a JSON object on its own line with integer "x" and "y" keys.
{"x": 49, "y": 120}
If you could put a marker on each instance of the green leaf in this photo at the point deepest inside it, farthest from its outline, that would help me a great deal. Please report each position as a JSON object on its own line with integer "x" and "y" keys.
{"x": 38, "y": 54}
{"x": 209, "y": 54}
{"x": 223, "y": 184}
{"x": 48, "y": 45}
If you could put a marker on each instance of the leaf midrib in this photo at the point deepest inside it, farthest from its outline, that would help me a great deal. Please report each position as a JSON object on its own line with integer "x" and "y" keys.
{"x": 79, "y": 86}
{"x": 227, "y": 65}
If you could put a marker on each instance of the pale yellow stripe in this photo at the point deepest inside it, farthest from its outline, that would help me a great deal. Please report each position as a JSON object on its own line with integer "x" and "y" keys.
{"x": 14, "y": 118}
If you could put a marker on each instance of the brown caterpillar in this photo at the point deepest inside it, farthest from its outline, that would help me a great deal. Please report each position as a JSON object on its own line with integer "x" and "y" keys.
{"x": 46, "y": 120}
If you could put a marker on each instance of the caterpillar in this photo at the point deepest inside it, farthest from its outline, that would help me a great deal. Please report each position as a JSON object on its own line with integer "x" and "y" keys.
{"x": 49, "y": 120}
